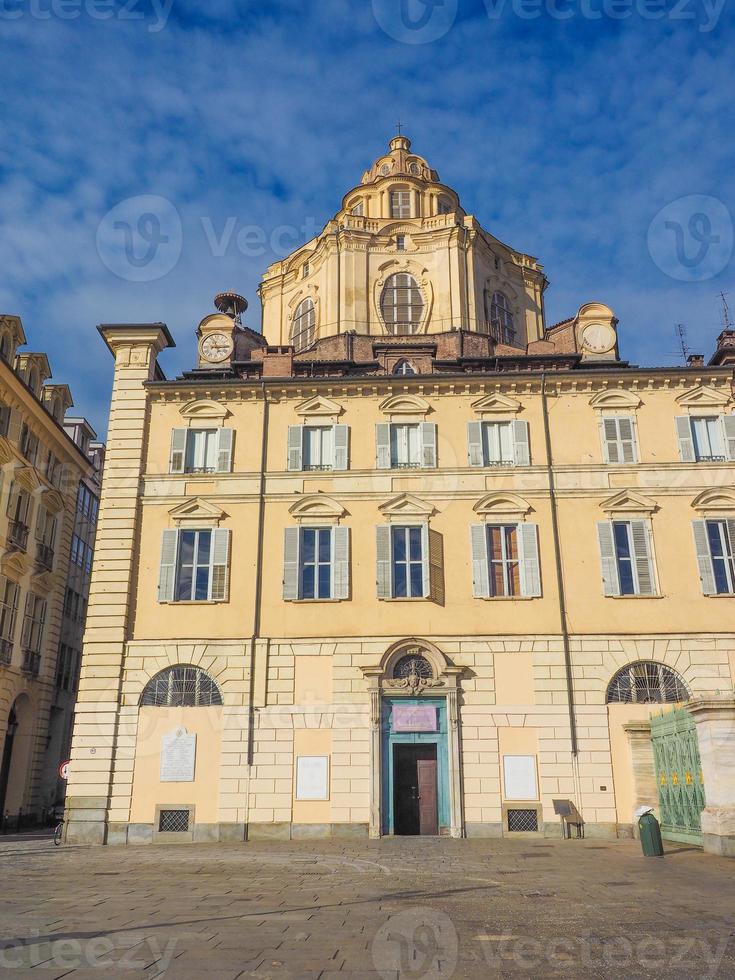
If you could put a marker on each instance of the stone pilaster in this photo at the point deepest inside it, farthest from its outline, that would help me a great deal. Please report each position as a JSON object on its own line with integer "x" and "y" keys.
{"x": 645, "y": 790}
{"x": 98, "y": 790}
{"x": 715, "y": 719}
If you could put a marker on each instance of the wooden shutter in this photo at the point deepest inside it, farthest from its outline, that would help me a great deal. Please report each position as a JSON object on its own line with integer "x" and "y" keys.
{"x": 340, "y": 562}
{"x": 475, "y": 455}
{"x": 295, "y": 446}
{"x": 436, "y": 566}
{"x": 291, "y": 538}
{"x": 384, "y": 561}
{"x": 27, "y": 631}
{"x": 41, "y": 523}
{"x": 428, "y": 444}
{"x": 704, "y": 557}
{"x": 13, "y": 500}
{"x": 640, "y": 535}
{"x": 626, "y": 432}
{"x": 382, "y": 445}
{"x": 728, "y": 424}
{"x": 340, "y": 438}
{"x": 608, "y": 558}
{"x": 13, "y": 598}
{"x": 225, "y": 439}
{"x": 14, "y": 425}
{"x": 177, "y": 457}
{"x": 521, "y": 447}
{"x": 610, "y": 447}
{"x": 480, "y": 572}
{"x": 167, "y": 571}
{"x": 528, "y": 559}
{"x": 220, "y": 561}
{"x": 686, "y": 441}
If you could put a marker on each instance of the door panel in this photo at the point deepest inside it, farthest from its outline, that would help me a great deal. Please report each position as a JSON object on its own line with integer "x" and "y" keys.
{"x": 428, "y": 816}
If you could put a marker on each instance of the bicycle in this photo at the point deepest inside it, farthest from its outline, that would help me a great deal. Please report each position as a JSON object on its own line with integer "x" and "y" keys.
{"x": 58, "y": 832}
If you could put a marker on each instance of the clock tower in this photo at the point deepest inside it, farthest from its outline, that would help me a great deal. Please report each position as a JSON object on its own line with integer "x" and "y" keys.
{"x": 216, "y": 332}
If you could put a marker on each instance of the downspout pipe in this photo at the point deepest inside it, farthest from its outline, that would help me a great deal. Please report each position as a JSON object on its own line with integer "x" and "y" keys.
{"x": 258, "y": 591}
{"x": 559, "y": 571}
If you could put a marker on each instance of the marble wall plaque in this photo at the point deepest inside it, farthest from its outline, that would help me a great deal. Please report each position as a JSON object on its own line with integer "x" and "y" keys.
{"x": 414, "y": 717}
{"x": 178, "y": 756}
{"x": 312, "y": 777}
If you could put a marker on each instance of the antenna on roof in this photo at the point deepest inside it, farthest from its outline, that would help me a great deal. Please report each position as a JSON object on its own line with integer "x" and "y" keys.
{"x": 681, "y": 332}
{"x": 726, "y": 321}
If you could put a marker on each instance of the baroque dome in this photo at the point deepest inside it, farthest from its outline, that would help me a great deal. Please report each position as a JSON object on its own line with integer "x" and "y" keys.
{"x": 400, "y": 161}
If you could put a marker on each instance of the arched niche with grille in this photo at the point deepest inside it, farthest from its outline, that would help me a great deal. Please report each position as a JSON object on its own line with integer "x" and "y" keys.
{"x": 646, "y": 682}
{"x": 181, "y": 687}
{"x": 401, "y": 304}
{"x": 303, "y": 326}
{"x": 413, "y": 663}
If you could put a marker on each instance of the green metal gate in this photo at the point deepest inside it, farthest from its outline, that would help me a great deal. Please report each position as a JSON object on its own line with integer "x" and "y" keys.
{"x": 679, "y": 775}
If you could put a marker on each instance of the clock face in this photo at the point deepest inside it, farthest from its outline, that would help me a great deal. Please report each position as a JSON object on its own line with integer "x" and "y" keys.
{"x": 598, "y": 338}
{"x": 216, "y": 347}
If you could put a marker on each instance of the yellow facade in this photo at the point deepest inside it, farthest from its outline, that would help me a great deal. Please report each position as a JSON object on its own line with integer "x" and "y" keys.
{"x": 308, "y": 737}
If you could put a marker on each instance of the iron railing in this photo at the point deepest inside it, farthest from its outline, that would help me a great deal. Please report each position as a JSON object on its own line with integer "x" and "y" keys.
{"x": 6, "y": 650}
{"x": 31, "y": 662}
{"x": 45, "y": 555}
{"x": 18, "y": 535}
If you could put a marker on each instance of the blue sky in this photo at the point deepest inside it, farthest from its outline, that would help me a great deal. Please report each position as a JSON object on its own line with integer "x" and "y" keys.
{"x": 565, "y": 137}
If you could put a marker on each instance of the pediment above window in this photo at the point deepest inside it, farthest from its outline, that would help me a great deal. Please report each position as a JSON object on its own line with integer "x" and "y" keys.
{"x": 703, "y": 396}
{"x": 501, "y": 506}
{"x": 204, "y": 409}
{"x": 6, "y": 452}
{"x": 14, "y": 564}
{"x": 197, "y": 511}
{"x": 53, "y": 501}
{"x": 405, "y": 404}
{"x": 320, "y": 407}
{"x": 615, "y": 399}
{"x": 27, "y": 477}
{"x": 497, "y": 403}
{"x": 44, "y": 582}
{"x": 629, "y": 502}
{"x": 317, "y": 506}
{"x": 407, "y": 505}
{"x": 716, "y": 500}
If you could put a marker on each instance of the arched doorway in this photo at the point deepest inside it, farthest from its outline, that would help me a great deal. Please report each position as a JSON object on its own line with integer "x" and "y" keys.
{"x": 16, "y": 756}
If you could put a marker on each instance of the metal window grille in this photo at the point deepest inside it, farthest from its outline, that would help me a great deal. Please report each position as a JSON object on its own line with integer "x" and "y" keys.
{"x": 181, "y": 687}
{"x": 401, "y": 304}
{"x": 646, "y": 683}
{"x": 303, "y": 325}
{"x": 525, "y": 821}
{"x": 173, "y": 821}
{"x": 413, "y": 663}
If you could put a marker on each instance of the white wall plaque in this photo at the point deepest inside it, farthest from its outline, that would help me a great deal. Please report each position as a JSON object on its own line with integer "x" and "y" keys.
{"x": 178, "y": 756}
{"x": 519, "y": 773}
{"x": 312, "y": 777}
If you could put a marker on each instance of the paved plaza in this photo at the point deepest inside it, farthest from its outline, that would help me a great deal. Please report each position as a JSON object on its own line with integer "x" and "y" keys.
{"x": 425, "y": 909}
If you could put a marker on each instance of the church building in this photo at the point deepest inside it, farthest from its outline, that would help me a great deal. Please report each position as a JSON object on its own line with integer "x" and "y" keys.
{"x": 408, "y": 559}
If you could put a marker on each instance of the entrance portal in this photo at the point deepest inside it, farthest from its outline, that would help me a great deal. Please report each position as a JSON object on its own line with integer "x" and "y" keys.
{"x": 415, "y": 789}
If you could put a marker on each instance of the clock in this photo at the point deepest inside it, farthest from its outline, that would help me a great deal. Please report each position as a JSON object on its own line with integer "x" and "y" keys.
{"x": 216, "y": 347}
{"x": 598, "y": 338}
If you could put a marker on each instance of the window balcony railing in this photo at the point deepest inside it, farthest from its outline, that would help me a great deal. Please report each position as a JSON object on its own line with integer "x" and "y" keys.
{"x": 406, "y": 466}
{"x": 45, "y": 556}
{"x": 6, "y": 650}
{"x": 318, "y": 466}
{"x": 31, "y": 662}
{"x": 711, "y": 459}
{"x": 200, "y": 469}
{"x": 18, "y": 535}
{"x": 499, "y": 462}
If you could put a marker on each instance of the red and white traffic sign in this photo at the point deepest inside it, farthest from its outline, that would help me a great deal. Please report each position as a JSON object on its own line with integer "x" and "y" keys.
{"x": 64, "y": 769}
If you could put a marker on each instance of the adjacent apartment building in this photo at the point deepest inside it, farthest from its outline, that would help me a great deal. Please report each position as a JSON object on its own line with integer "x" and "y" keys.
{"x": 409, "y": 560}
{"x": 51, "y": 469}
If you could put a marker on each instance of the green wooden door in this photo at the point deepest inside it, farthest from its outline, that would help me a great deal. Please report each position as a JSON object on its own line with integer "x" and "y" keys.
{"x": 679, "y": 775}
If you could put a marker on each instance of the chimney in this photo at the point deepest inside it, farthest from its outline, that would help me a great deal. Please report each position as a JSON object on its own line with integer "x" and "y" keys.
{"x": 695, "y": 360}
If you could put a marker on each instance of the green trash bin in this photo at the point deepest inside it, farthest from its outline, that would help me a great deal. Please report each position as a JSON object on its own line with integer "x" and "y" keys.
{"x": 650, "y": 833}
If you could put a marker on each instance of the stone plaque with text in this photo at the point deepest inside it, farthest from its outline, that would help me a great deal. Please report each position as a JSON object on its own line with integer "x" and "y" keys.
{"x": 178, "y": 756}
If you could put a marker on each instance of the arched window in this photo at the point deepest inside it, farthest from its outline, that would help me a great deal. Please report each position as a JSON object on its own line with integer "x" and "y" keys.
{"x": 413, "y": 664}
{"x": 401, "y": 304}
{"x": 358, "y": 209}
{"x": 646, "y": 682}
{"x": 444, "y": 206}
{"x": 303, "y": 325}
{"x": 501, "y": 318}
{"x": 403, "y": 367}
{"x": 181, "y": 687}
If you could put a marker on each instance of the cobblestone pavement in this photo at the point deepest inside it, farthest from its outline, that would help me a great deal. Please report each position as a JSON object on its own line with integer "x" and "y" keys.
{"x": 425, "y": 909}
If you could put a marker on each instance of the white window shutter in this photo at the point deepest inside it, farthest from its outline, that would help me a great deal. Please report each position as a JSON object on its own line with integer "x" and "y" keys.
{"x": 704, "y": 557}
{"x": 480, "y": 571}
{"x": 177, "y": 457}
{"x": 640, "y": 534}
{"x": 341, "y": 438}
{"x": 220, "y": 561}
{"x": 475, "y": 455}
{"x": 295, "y": 446}
{"x": 626, "y": 431}
{"x": 26, "y": 508}
{"x": 26, "y": 632}
{"x": 686, "y": 441}
{"x": 41, "y": 522}
{"x": 291, "y": 540}
{"x": 528, "y": 559}
{"x": 608, "y": 558}
{"x": 340, "y": 563}
{"x": 167, "y": 572}
{"x": 728, "y": 424}
{"x": 428, "y": 444}
{"x": 382, "y": 445}
{"x": 609, "y": 434}
{"x": 521, "y": 446}
{"x": 384, "y": 559}
{"x": 225, "y": 438}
